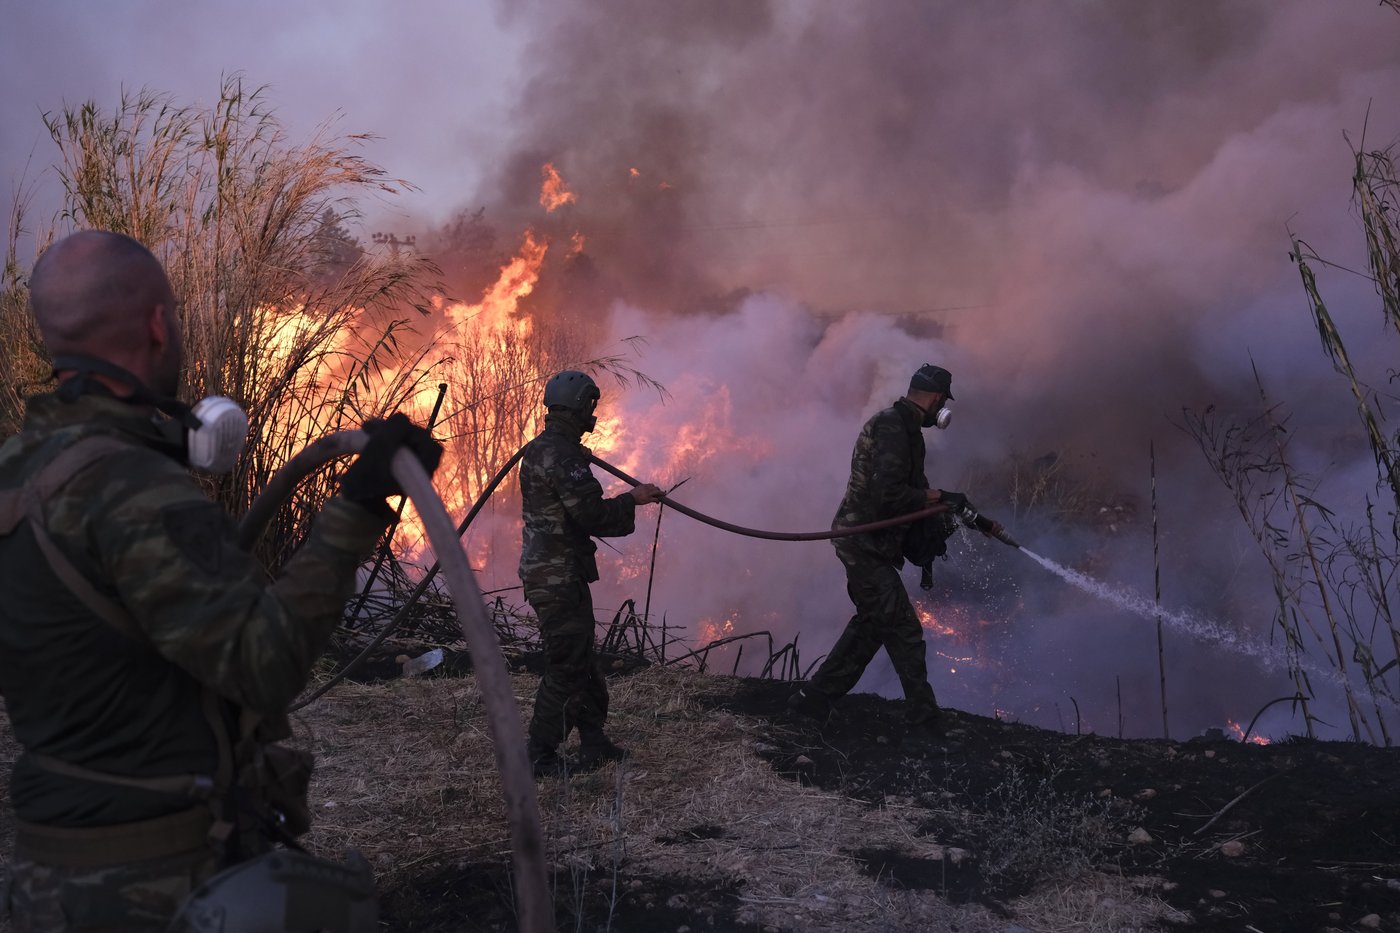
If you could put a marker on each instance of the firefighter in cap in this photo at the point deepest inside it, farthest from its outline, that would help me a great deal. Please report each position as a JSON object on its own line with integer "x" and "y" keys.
{"x": 563, "y": 507}
{"x": 146, "y": 661}
{"x": 887, "y": 479}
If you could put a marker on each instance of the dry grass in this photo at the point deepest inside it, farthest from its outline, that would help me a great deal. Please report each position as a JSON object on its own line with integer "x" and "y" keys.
{"x": 406, "y": 775}
{"x": 24, "y": 367}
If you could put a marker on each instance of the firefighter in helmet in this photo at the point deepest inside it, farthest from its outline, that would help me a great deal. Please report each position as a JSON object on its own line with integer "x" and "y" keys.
{"x": 564, "y": 508}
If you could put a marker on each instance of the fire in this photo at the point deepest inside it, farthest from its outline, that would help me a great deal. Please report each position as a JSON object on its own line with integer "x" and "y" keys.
{"x": 1238, "y": 731}
{"x": 709, "y": 631}
{"x": 704, "y": 435}
{"x": 553, "y": 192}
{"x": 516, "y": 281}
{"x": 928, "y": 621}
{"x": 483, "y": 352}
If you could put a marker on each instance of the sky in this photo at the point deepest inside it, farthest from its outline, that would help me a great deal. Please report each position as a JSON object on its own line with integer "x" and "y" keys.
{"x": 432, "y": 78}
{"x": 1083, "y": 209}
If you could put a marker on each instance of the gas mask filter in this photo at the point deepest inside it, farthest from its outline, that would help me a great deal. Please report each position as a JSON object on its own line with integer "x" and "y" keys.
{"x": 939, "y": 418}
{"x": 208, "y": 437}
{"x": 216, "y": 443}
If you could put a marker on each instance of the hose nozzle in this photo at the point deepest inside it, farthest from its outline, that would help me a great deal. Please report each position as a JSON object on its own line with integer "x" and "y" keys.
{"x": 1001, "y": 534}
{"x": 982, "y": 523}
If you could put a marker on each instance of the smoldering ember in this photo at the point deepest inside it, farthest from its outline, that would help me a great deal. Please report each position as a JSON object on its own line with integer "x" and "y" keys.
{"x": 1157, "y": 249}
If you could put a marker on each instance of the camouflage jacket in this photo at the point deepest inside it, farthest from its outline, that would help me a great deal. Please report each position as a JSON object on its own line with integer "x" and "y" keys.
{"x": 887, "y": 479}
{"x": 138, "y": 527}
{"x": 563, "y": 505}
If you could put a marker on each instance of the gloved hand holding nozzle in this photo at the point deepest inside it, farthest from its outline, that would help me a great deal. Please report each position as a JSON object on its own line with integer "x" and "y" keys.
{"x": 955, "y": 501}
{"x": 964, "y": 510}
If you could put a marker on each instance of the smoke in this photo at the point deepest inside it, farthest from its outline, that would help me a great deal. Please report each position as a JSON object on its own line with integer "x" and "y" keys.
{"x": 1082, "y": 210}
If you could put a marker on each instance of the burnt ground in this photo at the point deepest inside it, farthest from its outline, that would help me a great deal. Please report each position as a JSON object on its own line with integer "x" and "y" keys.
{"x": 1299, "y": 835}
{"x": 735, "y": 815}
{"x": 1295, "y": 836}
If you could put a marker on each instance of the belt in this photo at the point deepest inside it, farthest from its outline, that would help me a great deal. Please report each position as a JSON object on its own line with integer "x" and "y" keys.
{"x": 98, "y": 846}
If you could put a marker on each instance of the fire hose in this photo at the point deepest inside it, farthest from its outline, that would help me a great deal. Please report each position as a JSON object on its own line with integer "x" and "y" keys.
{"x": 498, "y": 698}
{"x": 281, "y": 484}
{"x": 533, "y": 902}
{"x": 966, "y": 513}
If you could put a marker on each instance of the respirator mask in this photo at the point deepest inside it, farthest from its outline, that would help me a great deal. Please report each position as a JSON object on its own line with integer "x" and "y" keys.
{"x": 938, "y": 418}
{"x": 931, "y": 378}
{"x": 208, "y": 436}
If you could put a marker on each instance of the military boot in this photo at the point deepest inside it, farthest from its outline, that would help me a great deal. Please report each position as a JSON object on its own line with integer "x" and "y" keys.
{"x": 544, "y": 759}
{"x": 595, "y": 748}
{"x": 928, "y": 718}
{"x": 810, "y": 702}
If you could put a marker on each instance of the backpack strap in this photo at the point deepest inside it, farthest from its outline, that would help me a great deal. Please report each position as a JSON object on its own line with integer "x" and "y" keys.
{"x": 28, "y": 502}
{"x": 195, "y": 786}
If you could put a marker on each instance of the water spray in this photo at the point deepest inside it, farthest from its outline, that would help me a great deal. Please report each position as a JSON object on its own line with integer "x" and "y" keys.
{"x": 1199, "y": 627}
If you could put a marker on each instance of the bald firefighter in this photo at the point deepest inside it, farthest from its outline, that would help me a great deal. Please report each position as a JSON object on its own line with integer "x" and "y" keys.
{"x": 146, "y": 661}
{"x": 563, "y": 508}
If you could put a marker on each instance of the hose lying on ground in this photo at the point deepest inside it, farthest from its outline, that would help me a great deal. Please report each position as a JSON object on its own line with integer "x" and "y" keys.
{"x": 534, "y": 906}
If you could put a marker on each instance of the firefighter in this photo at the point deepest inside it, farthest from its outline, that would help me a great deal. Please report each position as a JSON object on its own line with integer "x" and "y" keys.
{"x": 563, "y": 507}
{"x": 887, "y": 479}
{"x": 146, "y": 661}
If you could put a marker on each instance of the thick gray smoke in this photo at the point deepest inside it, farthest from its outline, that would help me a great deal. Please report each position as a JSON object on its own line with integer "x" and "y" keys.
{"x": 1083, "y": 210}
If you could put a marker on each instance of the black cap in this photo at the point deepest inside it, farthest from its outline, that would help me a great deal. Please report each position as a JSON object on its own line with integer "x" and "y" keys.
{"x": 930, "y": 378}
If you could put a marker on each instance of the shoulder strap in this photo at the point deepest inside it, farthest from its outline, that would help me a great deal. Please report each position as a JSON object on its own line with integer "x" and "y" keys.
{"x": 29, "y": 501}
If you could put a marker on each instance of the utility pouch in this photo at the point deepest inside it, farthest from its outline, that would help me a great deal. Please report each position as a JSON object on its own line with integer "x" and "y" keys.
{"x": 285, "y": 782}
{"x": 926, "y": 540}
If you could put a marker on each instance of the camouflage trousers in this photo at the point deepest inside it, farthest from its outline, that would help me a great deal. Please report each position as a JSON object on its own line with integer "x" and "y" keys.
{"x": 139, "y": 896}
{"x": 572, "y": 692}
{"x": 884, "y": 619}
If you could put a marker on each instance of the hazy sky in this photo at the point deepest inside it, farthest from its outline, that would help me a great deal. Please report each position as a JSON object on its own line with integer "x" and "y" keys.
{"x": 434, "y": 78}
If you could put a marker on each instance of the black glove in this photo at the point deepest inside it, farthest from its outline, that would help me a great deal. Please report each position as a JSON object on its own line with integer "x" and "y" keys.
{"x": 369, "y": 481}
{"x": 955, "y": 501}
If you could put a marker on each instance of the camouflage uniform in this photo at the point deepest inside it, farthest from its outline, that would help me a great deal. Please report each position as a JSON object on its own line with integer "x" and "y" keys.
{"x": 563, "y": 506}
{"x": 887, "y": 479}
{"x": 219, "y": 641}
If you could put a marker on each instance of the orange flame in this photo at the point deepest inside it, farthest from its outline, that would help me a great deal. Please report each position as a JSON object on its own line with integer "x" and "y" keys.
{"x": 1238, "y": 730}
{"x": 553, "y": 192}
{"x": 516, "y": 281}
{"x": 928, "y": 621}
{"x": 463, "y": 350}
{"x": 710, "y": 631}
